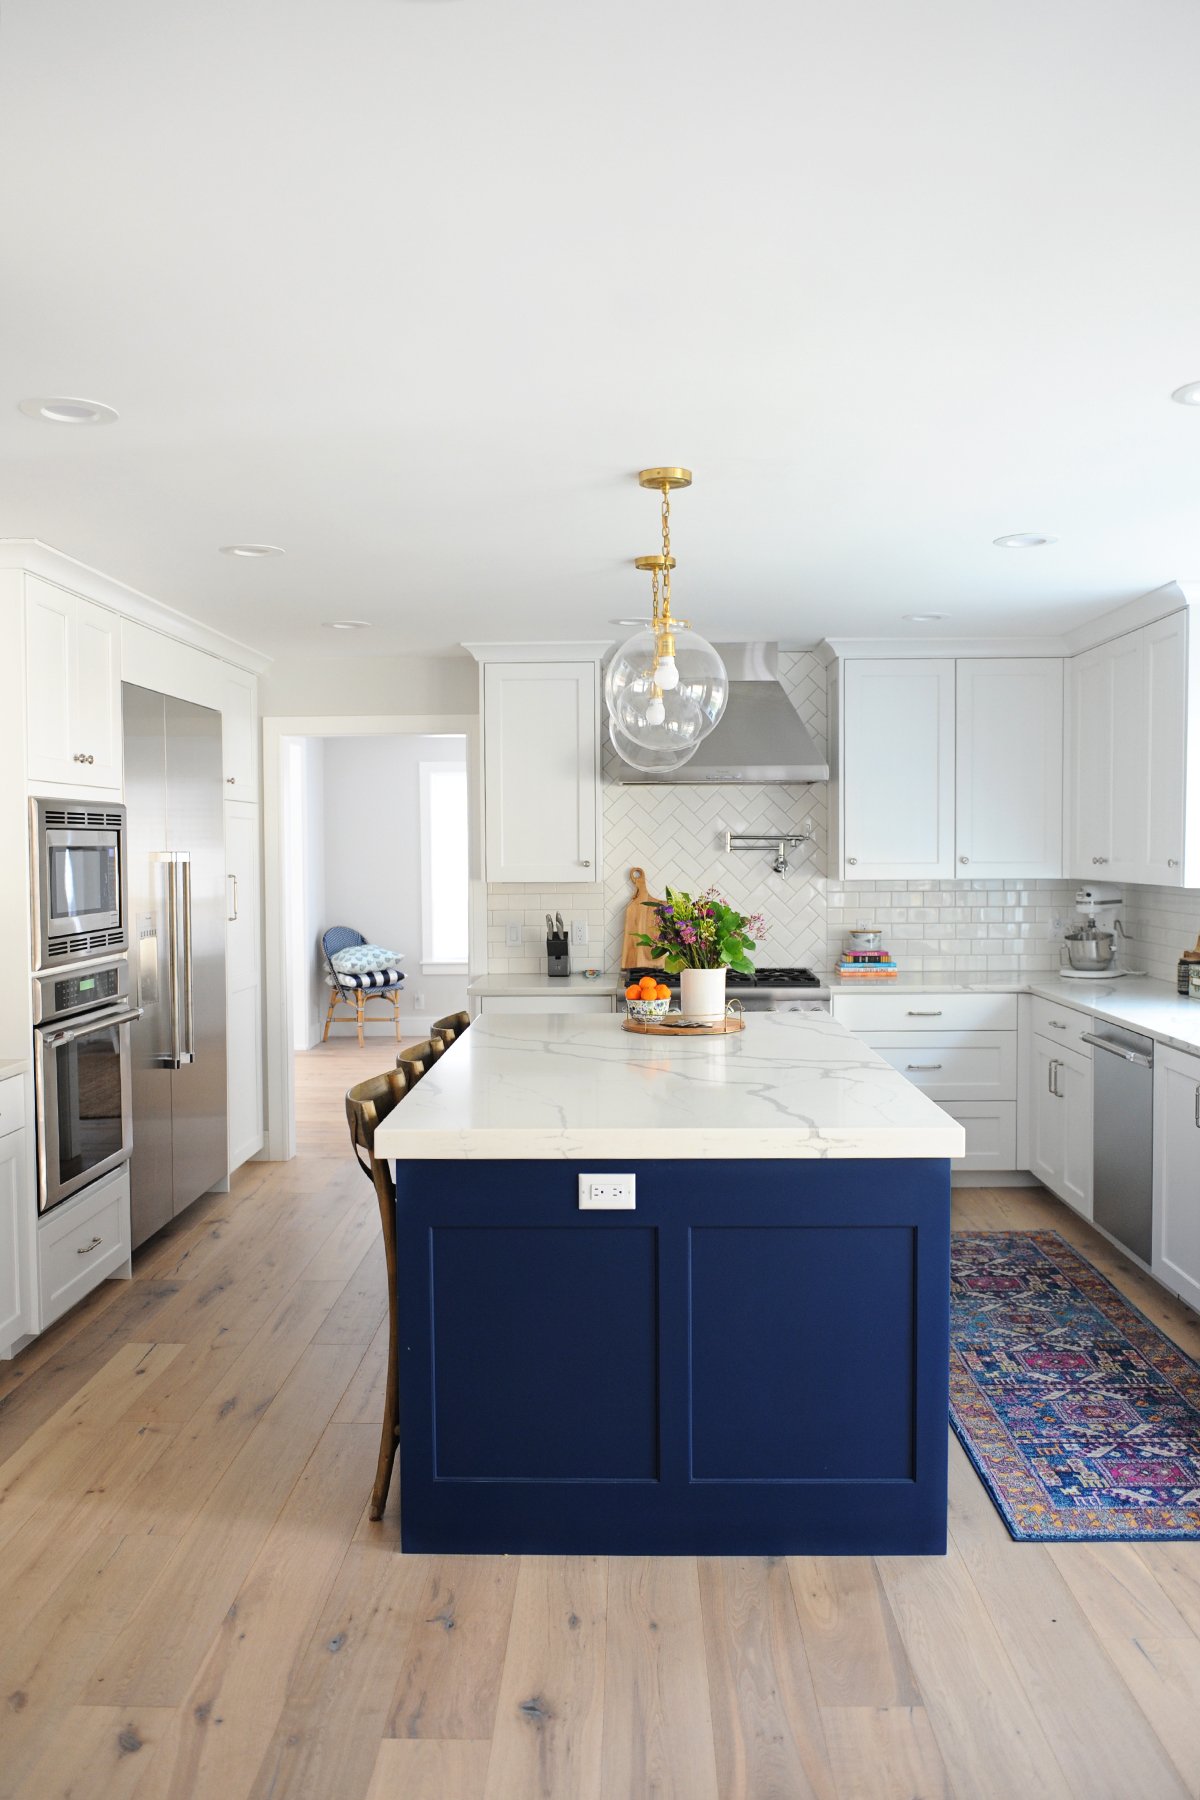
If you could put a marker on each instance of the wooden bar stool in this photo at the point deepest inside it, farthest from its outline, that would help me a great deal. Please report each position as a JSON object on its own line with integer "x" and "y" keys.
{"x": 450, "y": 1028}
{"x": 367, "y": 1105}
{"x": 418, "y": 1059}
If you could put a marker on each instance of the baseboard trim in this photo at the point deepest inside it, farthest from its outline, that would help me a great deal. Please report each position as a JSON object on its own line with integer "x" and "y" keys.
{"x": 993, "y": 1178}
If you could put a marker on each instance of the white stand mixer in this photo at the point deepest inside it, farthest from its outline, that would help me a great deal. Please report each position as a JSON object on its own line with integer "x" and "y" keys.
{"x": 1092, "y": 950}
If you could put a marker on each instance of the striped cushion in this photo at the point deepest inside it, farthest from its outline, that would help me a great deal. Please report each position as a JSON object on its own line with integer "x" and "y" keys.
{"x": 370, "y": 978}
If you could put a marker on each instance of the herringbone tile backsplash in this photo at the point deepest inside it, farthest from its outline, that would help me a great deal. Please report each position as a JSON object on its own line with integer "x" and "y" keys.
{"x": 676, "y": 833}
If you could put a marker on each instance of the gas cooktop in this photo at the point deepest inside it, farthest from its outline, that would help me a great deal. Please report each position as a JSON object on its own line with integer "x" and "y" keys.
{"x": 761, "y": 978}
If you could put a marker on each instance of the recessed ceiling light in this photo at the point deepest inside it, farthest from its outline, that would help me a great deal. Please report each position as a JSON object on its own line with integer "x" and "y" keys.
{"x": 1024, "y": 540}
{"x": 251, "y": 550}
{"x": 924, "y": 618}
{"x": 347, "y": 624}
{"x": 68, "y": 410}
{"x": 1188, "y": 394}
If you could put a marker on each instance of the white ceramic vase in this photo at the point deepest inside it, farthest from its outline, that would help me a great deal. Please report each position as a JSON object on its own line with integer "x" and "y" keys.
{"x": 702, "y": 994}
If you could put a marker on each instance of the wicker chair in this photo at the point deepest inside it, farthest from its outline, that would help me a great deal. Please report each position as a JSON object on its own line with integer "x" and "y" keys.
{"x": 354, "y": 990}
{"x": 418, "y": 1059}
{"x": 367, "y": 1105}
{"x": 450, "y": 1028}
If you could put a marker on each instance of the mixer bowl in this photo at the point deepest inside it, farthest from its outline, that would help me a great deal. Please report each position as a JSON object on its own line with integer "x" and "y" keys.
{"x": 1091, "y": 950}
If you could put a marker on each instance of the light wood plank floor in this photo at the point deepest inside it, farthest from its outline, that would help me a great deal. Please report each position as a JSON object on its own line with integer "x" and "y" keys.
{"x": 195, "y": 1607}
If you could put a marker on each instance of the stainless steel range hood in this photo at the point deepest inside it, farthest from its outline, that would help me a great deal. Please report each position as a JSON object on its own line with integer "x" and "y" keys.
{"x": 760, "y": 739}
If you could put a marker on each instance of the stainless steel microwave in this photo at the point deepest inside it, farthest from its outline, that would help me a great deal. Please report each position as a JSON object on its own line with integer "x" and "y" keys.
{"x": 78, "y": 880}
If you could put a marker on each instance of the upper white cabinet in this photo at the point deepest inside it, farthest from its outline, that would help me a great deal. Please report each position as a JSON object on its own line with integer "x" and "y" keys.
{"x": 239, "y": 734}
{"x": 1175, "y": 1257}
{"x": 1008, "y": 792}
{"x": 73, "y": 690}
{"x": 541, "y": 762}
{"x": 896, "y": 775}
{"x": 1127, "y": 764}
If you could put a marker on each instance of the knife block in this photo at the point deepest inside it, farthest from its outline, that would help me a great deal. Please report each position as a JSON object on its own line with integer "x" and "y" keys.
{"x": 558, "y": 957}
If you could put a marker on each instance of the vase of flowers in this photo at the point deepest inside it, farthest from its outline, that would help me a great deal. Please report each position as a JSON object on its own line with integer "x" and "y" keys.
{"x": 698, "y": 939}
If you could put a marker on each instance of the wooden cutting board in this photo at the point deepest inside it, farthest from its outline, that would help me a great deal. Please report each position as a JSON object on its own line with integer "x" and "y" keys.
{"x": 639, "y": 918}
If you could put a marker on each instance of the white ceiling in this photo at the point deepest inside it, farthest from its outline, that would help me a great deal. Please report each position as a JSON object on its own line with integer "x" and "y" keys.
{"x": 412, "y": 287}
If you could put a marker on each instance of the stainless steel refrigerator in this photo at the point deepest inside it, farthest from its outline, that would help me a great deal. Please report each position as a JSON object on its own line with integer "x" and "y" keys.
{"x": 176, "y": 871}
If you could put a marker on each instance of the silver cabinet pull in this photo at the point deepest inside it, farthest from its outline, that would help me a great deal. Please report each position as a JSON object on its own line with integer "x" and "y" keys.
{"x": 86, "y": 1249}
{"x": 231, "y": 918}
{"x": 189, "y": 1021}
{"x": 1133, "y": 1056}
{"x": 1099, "y": 859}
{"x": 586, "y": 863}
{"x": 91, "y": 759}
{"x": 922, "y": 1068}
{"x": 1172, "y": 863}
{"x": 1050, "y": 1076}
{"x": 852, "y": 859}
{"x": 79, "y": 757}
{"x": 173, "y": 958}
{"x": 1198, "y": 1106}
{"x": 924, "y": 1015}
{"x": 964, "y": 859}
{"x": 1058, "y": 1024}
{"x": 232, "y": 780}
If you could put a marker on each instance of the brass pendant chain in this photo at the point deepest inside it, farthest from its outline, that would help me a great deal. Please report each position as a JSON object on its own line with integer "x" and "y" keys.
{"x": 666, "y": 550}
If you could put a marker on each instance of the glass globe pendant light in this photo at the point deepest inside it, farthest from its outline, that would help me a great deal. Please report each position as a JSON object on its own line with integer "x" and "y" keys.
{"x": 666, "y": 687}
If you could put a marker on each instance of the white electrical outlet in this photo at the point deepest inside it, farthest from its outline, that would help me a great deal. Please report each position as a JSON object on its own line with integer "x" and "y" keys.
{"x": 512, "y": 937}
{"x": 607, "y": 1193}
{"x": 579, "y": 933}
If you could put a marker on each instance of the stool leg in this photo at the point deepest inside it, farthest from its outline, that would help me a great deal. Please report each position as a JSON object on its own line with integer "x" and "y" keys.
{"x": 359, "y": 998}
{"x": 396, "y": 1010}
{"x": 333, "y": 999}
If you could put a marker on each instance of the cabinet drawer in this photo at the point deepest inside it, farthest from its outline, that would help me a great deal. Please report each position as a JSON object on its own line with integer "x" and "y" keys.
{"x": 960, "y": 1065}
{"x": 926, "y": 1012}
{"x": 1061, "y": 1024}
{"x": 991, "y": 1128}
{"x": 81, "y": 1242}
{"x": 12, "y": 1104}
{"x": 551, "y": 1003}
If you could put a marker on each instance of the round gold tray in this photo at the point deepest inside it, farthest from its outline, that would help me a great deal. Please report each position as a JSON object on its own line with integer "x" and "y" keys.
{"x": 672, "y": 1025}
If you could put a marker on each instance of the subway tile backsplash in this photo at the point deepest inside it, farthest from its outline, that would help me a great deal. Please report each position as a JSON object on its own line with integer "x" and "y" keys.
{"x": 958, "y": 927}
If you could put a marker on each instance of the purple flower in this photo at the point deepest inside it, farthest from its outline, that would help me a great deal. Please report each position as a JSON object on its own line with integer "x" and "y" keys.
{"x": 688, "y": 933}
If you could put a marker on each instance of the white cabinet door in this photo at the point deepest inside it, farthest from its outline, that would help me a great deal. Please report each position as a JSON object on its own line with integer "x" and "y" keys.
{"x": 1009, "y": 783}
{"x": 13, "y": 1197}
{"x": 49, "y": 638}
{"x": 239, "y": 734}
{"x": 1048, "y": 1124}
{"x": 541, "y": 753}
{"x": 1073, "y": 1080}
{"x": 1175, "y": 1257}
{"x": 243, "y": 984}
{"x": 96, "y": 693}
{"x": 1091, "y": 678}
{"x": 897, "y": 774}
{"x": 1129, "y": 739}
{"x": 73, "y": 689}
{"x": 1165, "y": 688}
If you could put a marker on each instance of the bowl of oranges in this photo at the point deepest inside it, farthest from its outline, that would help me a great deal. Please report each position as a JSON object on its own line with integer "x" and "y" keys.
{"x": 648, "y": 998}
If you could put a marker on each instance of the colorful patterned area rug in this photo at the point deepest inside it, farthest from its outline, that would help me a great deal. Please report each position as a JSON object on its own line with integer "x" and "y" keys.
{"x": 1081, "y": 1417}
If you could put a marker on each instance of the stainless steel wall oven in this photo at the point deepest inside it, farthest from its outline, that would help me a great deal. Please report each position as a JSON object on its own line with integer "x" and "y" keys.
{"x": 82, "y": 1076}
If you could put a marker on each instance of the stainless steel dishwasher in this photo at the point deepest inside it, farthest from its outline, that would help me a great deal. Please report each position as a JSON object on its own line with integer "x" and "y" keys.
{"x": 1122, "y": 1134}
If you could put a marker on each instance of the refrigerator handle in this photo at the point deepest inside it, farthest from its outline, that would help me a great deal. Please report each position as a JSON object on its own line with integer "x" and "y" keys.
{"x": 188, "y": 1052}
{"x": 170, "y": 865}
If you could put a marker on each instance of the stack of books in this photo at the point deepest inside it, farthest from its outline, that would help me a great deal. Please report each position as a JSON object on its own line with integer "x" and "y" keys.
{"x": 867, "y": 965}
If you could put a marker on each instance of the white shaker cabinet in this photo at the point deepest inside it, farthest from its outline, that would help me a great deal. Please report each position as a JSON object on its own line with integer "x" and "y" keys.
{"x": 541, "y": 769}
{"x": 1009, "y": 766}
{"x": 15, "y": 1205}
{"x": 243, "y": 983}
{"x": 896, "y": 775}
{"x": 73, "y": 690}
{"x": 1175, "y": 1256}
{"x": 1127, "y": 764}
{"x": 239, "y": 734}
{"x": 1060, "y": 1125}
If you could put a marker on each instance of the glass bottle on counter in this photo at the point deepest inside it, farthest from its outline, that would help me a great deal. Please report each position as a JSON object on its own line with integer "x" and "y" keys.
{"x": 1189, "y": 961}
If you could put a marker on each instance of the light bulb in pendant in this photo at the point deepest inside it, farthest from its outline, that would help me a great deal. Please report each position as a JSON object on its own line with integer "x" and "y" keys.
{"x": 656, "y": 712}
{"x": 666, "y": 673}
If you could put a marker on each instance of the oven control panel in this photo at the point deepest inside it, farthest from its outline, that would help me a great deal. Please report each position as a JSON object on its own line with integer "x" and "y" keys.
{"x": 86, "y": 988}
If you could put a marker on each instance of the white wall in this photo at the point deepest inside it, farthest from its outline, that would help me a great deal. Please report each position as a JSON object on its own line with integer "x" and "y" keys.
{"x": 373, "y": 857}
{"x": 368, "y": 686}
{"x": 306, "y": 891}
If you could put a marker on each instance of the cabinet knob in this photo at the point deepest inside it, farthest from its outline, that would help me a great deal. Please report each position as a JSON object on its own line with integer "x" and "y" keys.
{"x": 586, "y": 863}
{"x": 1172, "y": 863}
{"x": 91, "y": 759}
{"x": 80, "y": 757}
{"x": 964, "y": 859}
{"x": 1097, "y": 860}
{"x": 852, "y": 859}
{"x": 231, "y": 779}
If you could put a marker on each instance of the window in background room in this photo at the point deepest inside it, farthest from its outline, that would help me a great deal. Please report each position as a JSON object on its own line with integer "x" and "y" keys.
{"x": 443, "y": 867}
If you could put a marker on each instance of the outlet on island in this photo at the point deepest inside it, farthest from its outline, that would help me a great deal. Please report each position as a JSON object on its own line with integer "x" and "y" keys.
{"x": 607, "y": 1193}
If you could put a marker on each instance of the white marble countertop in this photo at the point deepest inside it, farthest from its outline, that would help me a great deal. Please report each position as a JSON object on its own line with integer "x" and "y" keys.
{"x": 1138, "y": 1001}
{"x": 537, "y": 983}
{"x": 537, "y": 1086}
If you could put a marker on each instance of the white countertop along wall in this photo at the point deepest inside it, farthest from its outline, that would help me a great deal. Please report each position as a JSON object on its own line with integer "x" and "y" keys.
{"x": 539, "y": 1086}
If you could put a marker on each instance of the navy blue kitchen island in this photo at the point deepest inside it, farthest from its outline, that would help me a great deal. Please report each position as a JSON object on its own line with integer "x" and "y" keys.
{"x": 752, "y": 1360}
